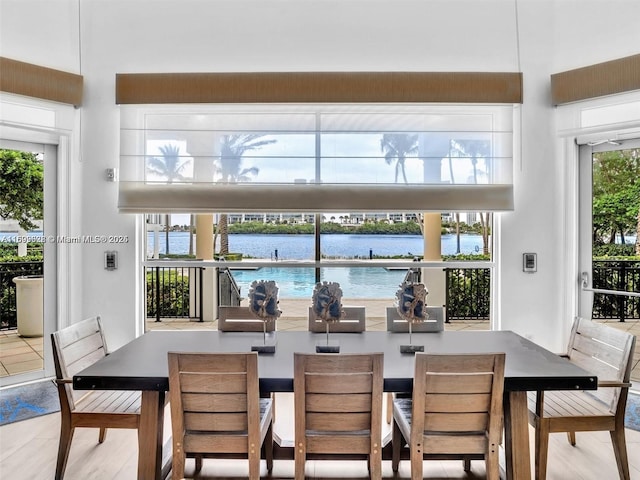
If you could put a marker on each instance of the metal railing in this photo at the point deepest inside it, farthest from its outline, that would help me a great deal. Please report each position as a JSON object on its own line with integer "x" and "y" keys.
{"x": 619, "y": 276}
{"x": 174, "y": 292}
{"x": 8, "y": 271}
{"x": 468, "y": 294}
{"x": 228, "y": 289}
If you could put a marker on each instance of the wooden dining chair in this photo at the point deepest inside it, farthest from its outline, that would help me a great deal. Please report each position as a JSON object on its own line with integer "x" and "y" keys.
{"x": 75, "y": 348}
{"x": 607, "y": 353}
{"x": 396, "y": 324}
{"x": 455, "y": 411}
{"x": 216, "y": 409}
{"x": 240, "y": 319}
{"x": 338, "y": 408}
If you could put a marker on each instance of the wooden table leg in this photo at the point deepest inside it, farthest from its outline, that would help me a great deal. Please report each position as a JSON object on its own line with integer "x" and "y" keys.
{"x": 150, "y": 435}
{"x": 516, "y": 433}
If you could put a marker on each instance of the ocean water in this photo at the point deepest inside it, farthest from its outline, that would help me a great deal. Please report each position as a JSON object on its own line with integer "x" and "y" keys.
{"x": 356, "y": 282}
{"x": 301, "y": 247}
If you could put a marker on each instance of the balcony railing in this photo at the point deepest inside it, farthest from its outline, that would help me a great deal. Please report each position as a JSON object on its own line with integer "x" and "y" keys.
{"x": 618, "y": 275}
{"x": 177, "y": 292}
{"x": 468, "y": 294}
{"x": 174, "y": 292}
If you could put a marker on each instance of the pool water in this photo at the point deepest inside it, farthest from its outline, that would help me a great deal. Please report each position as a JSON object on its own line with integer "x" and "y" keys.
{"x": 356, "y": 282}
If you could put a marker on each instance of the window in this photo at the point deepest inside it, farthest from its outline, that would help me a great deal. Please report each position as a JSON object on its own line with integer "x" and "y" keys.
{"x": 315, "y": 158}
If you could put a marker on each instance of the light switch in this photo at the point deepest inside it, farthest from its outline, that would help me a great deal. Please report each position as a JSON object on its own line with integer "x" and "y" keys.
{"x": 529, "y": 262}
{"x": 111, "y": 260}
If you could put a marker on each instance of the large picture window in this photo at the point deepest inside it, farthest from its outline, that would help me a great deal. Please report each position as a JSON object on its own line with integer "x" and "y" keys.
{"x": 316, "y": 158}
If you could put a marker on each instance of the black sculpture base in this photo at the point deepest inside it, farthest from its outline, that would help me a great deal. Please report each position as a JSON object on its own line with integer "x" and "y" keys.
{"x": 411, "y": 348}
{"x": 328, "y": 348}
{"x": 263, "y": 349}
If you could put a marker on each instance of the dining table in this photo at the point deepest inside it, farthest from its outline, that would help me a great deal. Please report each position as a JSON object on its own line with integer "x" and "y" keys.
{"x": 142, "y": 365}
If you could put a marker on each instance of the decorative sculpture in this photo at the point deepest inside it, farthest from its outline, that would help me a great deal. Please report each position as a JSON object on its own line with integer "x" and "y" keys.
{"x": 412, "y": 306}
{"x": 263, "y": 304}
{"x": 327, "y": 306}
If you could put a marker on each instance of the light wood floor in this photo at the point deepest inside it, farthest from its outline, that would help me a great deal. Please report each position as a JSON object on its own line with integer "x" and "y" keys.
{"x": 28, "y": 451}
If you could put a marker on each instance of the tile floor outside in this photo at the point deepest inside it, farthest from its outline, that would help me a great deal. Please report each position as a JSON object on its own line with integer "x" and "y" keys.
{"x": 24, "y": 354}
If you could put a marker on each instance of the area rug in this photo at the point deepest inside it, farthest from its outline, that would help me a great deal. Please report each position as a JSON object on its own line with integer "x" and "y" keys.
{"x": 28, "y": 401}
{"x": 632, "y": 416}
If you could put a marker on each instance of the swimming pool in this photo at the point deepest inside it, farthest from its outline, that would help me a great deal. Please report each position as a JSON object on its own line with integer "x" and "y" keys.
{"x": 356, "y": 282}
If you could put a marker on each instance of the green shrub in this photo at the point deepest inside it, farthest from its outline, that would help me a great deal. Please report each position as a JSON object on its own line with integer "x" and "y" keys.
{"x": 614, "y": 250}
{"x": 173, "y": 295}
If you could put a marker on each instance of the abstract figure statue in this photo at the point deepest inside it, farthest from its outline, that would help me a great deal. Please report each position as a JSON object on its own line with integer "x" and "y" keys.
{"x": 263, "y": 304}
{"x": 327, "y": 306}
{"x": 412, "y": 306}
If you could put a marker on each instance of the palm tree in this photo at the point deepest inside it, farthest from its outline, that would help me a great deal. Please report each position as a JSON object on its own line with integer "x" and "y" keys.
{"x": 232, "y": 148}
{"x": 475, "y": 149}
{"x": 399, "y": 146}
{"x": 169, "y": 167}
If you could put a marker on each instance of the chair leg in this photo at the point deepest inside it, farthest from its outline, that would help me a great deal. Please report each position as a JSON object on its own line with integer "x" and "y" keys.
{"x": 300, "y": 460}
{"x": 66, "y": 435}
{"x": 268, "y": 448}
{"x": 620, "y": 450}
{"x": 416, "y": 461}
{"x": 102, "y": 435}
{"x": 254, "y": 465}
{"x": 492, "y": 462}
{"x": 177, "y": 463}
{"x": 375, "y": 463}
{"x": 198, "y": 459}
{"x": 466, "y": 464}
{"x": 396, "y": 446}
{"x": 389, "y": 406}
{"x": 542, "y": 448}
{"x": 571, "y": 437}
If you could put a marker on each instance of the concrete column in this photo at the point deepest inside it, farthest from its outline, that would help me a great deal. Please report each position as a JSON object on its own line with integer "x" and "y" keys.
{"x": 433, "y": 278}
{"x": 433, "y": 148}
{"x": 204, "y": 151}
{"x": 204, "y": 237}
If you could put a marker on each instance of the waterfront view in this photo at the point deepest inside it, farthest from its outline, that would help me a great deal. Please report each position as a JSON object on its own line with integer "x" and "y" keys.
{"x": 301, "y": 247}
{"x": 356, "y": 282}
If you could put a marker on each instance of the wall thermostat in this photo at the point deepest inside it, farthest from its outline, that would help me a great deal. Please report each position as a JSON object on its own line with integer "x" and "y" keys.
{"x": 110, "y": 260}
{"x": 529, "y": 262}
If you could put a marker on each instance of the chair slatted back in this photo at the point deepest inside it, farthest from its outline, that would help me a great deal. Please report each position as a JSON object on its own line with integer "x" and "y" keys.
{"x": 214, "y": 400}
{"x": 604, "y": 352}
{"x": 240, "y": 319}
{"x": 354, "y": 321}
{"x": 457, "y": 402}
{"x": 338, "y": 402}
{"x": 435, "y": 322}
{"x": 75, "y": 348}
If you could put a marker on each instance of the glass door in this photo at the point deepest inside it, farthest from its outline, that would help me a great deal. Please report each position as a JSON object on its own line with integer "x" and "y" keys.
{"x": 27, "y": 259}
{"x": 609, "y": 228}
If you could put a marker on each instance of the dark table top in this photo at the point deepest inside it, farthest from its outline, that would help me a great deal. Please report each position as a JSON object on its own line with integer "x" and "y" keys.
{"x": 142, "y": 363}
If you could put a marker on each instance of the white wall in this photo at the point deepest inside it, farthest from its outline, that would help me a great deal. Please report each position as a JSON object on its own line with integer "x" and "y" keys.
{"x": 120, "y": 36}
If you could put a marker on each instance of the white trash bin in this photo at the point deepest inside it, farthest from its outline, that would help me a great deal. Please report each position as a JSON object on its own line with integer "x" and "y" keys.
{"x": 29, "y": 305}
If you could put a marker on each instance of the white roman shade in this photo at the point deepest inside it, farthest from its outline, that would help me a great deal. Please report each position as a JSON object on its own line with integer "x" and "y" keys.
{"x": 315, "y": 158}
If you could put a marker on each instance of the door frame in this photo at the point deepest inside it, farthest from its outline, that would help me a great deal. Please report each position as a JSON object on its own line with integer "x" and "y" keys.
{"x": 585, "y": 216}
{"x": 50, "y": 267}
